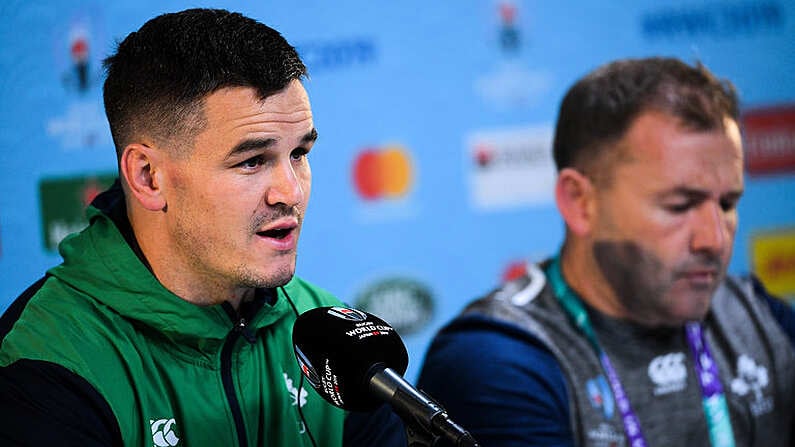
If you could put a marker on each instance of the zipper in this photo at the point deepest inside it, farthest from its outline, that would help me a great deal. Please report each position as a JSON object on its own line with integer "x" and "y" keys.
{"x": 240, "y": 329}
{"x": 229, "y": 385}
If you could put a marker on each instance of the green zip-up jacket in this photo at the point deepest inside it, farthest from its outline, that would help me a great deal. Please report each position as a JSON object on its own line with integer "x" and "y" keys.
{"x": 101, "y": 332}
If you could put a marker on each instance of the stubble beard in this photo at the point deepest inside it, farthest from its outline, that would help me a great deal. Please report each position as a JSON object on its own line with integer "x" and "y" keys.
{"x": 199, "y": 250}
{"x": 248, "y": 278}
{"x": 643, "y": 284}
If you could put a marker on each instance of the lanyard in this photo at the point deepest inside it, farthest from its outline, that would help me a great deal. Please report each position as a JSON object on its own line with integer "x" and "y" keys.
{"x": 712, "y": 397}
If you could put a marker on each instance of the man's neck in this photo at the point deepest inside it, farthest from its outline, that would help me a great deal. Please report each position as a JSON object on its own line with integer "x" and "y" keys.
{"x": 113, "y": 204}
{"x": 178, "y": 278}
{"x": 584, "y": 277}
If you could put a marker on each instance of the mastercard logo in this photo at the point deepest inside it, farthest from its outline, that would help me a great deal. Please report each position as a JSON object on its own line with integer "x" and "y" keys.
{"x": 382, "y": 173}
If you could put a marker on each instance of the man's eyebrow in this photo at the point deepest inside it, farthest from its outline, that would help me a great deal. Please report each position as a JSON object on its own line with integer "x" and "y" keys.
{"x": 685, "y": 191}
{"x": 310, "y": 136}
{"x": 257, "y": 144}
{"x": 695, "y": 193}
{"x": 251, "y": 145}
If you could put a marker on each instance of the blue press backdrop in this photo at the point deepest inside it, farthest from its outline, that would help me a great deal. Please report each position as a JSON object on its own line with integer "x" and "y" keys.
{"x": 464, "y": 93}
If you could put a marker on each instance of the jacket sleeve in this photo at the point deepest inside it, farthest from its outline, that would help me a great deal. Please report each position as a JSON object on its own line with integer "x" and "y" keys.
{"x": 46, "y": 404}
{"x": 499, "y": 383}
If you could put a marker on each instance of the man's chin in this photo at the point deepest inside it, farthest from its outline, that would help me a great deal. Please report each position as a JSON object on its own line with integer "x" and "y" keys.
{"x": 283, "y": 281}
{"x": 268, "y": 280}
{"x": 691, "y": 313}
{"x": 279, "y": 278}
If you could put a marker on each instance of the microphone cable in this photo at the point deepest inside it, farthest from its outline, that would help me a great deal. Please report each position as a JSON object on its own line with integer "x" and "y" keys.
{"x": 301, "y": 380}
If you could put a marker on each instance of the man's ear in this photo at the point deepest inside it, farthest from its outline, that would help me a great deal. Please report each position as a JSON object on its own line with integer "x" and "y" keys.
{"x": 139, "y": 164}
{"x": 574, "y": 195}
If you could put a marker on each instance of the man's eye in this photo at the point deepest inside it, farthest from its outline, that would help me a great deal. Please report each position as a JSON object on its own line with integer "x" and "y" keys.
{"x": 253, "y": 162}
{"x": 299, "y": 153}
{"x": 678, "y": 208}
{"x": 728, "y": 204}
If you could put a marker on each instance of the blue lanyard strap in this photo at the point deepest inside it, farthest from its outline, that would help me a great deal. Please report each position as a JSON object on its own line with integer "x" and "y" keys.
{"x": 713, "y": 399}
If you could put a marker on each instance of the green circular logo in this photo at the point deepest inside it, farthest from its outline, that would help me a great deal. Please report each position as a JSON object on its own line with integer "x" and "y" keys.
{"x": 406, "y": 304}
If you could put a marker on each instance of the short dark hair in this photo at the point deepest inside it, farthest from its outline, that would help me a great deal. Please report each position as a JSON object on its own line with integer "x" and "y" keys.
{"x": 159, "y": 76}
{"x": 598, "y": 110}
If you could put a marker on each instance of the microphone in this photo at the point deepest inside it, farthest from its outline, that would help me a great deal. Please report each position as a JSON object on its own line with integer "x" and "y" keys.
{"x": 356, "y": 360}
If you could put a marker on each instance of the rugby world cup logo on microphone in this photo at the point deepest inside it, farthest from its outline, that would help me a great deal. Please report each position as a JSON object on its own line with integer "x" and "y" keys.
{"x": 307, "y": 369}
{"x": 347, "y": 314}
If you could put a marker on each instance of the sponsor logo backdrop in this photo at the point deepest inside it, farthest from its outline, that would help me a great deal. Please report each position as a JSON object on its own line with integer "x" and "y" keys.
{"x": 432, "y": 172}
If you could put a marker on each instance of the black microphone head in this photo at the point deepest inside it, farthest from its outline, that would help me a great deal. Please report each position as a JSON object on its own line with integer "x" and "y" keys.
{"x": 339, "y": 349}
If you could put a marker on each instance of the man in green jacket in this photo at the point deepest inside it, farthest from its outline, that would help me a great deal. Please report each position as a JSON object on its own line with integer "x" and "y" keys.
{"x": 169, "y": 321}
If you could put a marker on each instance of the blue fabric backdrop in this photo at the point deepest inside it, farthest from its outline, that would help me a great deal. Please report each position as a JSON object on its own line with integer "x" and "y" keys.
{"x": 450, "y": 103}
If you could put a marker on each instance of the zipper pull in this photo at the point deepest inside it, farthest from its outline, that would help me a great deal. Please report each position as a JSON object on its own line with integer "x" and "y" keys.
{"x": 243, "y": 329}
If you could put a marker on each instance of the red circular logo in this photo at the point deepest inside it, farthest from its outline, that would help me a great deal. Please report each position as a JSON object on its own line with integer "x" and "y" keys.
{"x": 384, "y": 172}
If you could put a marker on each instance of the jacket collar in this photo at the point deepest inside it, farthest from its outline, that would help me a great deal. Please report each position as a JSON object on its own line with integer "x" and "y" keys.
{"x": 105, "y": 263}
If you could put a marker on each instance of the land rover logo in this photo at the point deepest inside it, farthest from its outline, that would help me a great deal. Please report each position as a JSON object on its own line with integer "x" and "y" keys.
{"x": 405, "y": 304}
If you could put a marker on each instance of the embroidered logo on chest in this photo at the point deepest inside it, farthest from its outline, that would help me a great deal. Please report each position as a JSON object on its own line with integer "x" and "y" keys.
{"x": 164, "y": 432}
{"x": 298, "y": 398}
{"x": 605, "y": 435}
{"x": 751, "y": 380}
{"x": 600, "y": 396}
{"x": 668, "y": 372}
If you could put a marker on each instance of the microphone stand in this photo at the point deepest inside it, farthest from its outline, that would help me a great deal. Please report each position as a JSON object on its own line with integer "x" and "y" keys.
{"x": 419, "y": 436}
{"x": 424, "y": 419}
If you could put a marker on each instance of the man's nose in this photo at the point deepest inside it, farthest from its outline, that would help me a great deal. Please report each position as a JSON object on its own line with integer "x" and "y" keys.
{"x": 711, "y": 230}
{"x": 285, "y": 186}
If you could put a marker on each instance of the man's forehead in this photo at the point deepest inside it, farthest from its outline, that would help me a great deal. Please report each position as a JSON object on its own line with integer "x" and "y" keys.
{"x": 242, "y": 106}
{"x": 657, "y": 135}
{"x": 663, "y": 155}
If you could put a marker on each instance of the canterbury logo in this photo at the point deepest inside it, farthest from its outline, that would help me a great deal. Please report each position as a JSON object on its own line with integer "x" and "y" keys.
{"x": 668, "y": 372}
{"x": 163, "y": 432}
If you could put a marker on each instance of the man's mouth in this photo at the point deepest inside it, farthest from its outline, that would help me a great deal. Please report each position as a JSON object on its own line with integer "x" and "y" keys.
{"x": 701, "y": 275}
{"x": 276, "y": 233}
{"x": 279, "y": 234}
{"x": 700, "y": 278}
